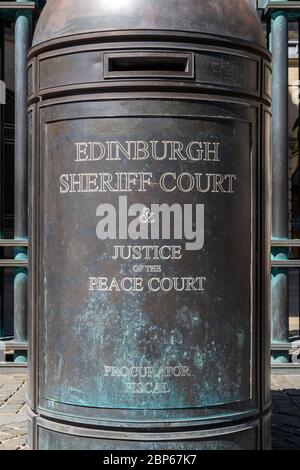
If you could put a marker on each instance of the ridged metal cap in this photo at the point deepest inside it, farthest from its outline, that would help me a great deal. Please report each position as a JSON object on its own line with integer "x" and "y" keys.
{"x": 236, "y": 19}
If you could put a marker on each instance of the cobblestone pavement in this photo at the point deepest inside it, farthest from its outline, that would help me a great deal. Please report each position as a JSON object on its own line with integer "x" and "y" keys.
{"x": 12, "y": 411}
{"x": 285, "y": 420}
{"x": 286, "y": 412}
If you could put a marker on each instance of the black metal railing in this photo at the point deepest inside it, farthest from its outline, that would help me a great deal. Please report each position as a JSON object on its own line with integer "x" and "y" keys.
{"x": 13, "y": 348}
{"x": 285, "y": 349}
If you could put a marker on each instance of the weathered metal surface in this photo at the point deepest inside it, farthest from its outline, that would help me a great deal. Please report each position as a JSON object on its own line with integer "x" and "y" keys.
{"x": 290, "y": 7}
{"x": 9, "y": 10}
{"x": 232, "y": 438}
{"x": 212, "y": 16}
{"x": 2, "y": 124}
{"x": 148, "y": 212}
{"x": 22, "y": 43}
{"x": 280, "y": 328}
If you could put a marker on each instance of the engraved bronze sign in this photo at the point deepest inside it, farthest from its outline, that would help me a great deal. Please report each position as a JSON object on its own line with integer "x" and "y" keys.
{"x": 149, "y": 324}
{"x": 149, "y": 230}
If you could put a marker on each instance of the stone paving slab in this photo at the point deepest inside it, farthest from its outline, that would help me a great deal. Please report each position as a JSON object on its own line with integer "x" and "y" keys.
{"x": 12, "y": 411}
{"x": 285, "y": 412}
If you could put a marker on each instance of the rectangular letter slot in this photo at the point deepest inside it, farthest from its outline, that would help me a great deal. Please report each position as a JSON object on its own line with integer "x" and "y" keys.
{"x": 148, "y": 64}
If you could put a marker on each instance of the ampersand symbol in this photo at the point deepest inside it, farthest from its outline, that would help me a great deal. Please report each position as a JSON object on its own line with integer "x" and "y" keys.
{"x": 147, "y": 217}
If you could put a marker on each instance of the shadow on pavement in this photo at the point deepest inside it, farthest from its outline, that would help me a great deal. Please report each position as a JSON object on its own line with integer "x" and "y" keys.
{"x": 286, "y": 419}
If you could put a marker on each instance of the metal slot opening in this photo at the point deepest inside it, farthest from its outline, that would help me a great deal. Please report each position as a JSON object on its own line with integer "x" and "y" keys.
{"x": 158, "y": 64}
{"x": 148, "y": 64}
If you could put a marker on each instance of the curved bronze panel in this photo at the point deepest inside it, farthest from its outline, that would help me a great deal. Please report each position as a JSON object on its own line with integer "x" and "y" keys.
{"x": 149, "y": 257}
{"x": 230, "y": 18}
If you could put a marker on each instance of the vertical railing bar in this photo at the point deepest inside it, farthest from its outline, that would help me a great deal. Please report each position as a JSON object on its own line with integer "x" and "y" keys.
{"x": 279, "y": 44}
{"x": 298, "y": 152}
{"x": 2, "y": 72}
{"x": 22, "y": 43}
